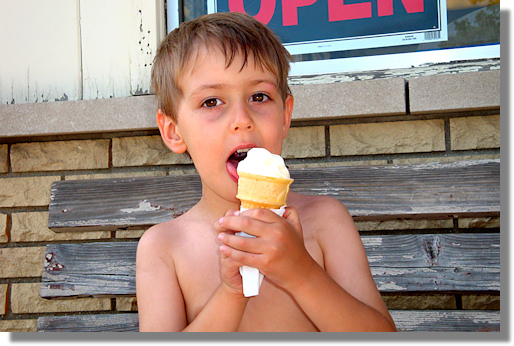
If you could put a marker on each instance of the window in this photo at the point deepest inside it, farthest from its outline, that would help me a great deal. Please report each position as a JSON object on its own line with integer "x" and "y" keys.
{"x": 471, "y": 30}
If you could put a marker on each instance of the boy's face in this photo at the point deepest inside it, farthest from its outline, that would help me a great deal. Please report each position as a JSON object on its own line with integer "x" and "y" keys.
{"x": 224, "y": 110}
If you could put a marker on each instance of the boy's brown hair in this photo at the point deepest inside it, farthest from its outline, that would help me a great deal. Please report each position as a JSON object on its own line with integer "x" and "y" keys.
{"x": 232, "y": 33}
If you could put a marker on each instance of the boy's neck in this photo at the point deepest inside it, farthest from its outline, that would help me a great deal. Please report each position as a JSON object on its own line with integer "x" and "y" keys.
{"x": 213, "y": 206}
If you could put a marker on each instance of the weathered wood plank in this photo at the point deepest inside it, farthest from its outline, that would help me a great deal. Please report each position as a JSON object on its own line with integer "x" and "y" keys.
{"x": 126, "y": 322}
{"x": 432, "y": 190}
{"x": 457, "y": 262}
{"x": 446, "y": 320}
{"x": 105, "y": 269}
{"x": 405, "y": 320}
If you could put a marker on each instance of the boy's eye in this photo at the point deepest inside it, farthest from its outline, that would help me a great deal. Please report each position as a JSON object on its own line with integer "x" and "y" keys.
{"x": 259, "y": 97}
{"x": 211, "y": 103}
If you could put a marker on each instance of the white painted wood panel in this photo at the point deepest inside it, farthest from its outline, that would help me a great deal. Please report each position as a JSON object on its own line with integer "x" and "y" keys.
{"x": 105, "y": 32}
{"x": 148, "y": 30}
{"x": 40, "y": 54}
{"x": 55, "y": 50}
{"x": 119, "y": 40}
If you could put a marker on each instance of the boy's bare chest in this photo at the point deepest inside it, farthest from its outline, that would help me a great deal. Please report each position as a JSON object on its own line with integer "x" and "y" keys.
{"x": 198, "y": 271}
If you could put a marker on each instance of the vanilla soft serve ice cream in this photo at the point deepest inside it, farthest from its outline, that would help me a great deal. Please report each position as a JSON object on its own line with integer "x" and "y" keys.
{"x": 260, "y": 161}
{"x": 263, "y": 183}
{"x": 263, "y": 180}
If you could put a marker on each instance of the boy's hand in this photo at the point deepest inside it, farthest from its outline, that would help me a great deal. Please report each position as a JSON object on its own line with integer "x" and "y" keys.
{"x": 230, "y": 275}
{"x": 278, "y": 250}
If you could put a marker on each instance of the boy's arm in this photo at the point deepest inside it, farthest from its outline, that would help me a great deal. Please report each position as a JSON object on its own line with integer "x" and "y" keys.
{"x": 343, "y": 297}
{"x": 160, "y": 301}
{"x": 159, "y": 298}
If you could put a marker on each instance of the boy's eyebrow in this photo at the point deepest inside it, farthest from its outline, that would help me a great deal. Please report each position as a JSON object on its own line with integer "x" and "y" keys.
{"x": 219, "y": 86}
{"x": 206, "y": 87}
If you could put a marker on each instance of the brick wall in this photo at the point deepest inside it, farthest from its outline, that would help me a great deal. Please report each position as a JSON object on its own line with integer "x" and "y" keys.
{"x": 396, "y": 117}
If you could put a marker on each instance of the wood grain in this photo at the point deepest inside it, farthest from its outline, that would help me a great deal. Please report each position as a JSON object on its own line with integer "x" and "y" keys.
{"x": 432, "y": 190}
{"x": 405, "y": 320}
{"x": 399, "y": 263}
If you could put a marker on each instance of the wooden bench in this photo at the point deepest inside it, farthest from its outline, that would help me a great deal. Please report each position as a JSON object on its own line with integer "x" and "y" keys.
{"x": 448, "y": 261}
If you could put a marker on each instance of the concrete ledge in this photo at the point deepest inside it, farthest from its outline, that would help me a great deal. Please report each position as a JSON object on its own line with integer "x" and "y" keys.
{"x": 349, "y": 99}
{"x": 323, "y": 98}
{"x": 73, "y": 117}
{"x": 455, "y": 92}
{"x": 313, "y": 101}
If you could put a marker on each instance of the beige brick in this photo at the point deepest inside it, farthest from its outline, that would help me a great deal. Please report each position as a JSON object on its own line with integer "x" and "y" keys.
{"x": 4, "y": 237}
{"x": 126, "y": 304}
{"x": 115, "y": 175}
{"x": 3, "y": 299}
{"x": 482, "y": 222}
{"x": 403, "y": 224}
{"x": 62, "y": 155}
{"x": 387, "y": 138}
{"x": 33, "y": 226}
{"x": 143, "y": 151}
{"x": 18, "y": 326}
{"x": 130, "y": 234}
{"x": 304, "y": 142}
{"x": 424, "y": 302}
{"x": 475, "y": 132}
{"x": 27, "y": 191}
{"x": 25, "y": 299}
{"x": 19, "y": 262}
{"x": 4, "y": 158}
{"x": 480, "y": 302}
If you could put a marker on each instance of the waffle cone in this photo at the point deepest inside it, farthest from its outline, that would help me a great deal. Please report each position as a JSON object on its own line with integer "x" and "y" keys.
{"x": 257, "y": 191}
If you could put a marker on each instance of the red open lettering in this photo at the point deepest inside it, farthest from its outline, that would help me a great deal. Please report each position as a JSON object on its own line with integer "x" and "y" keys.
{"x": 265, "y": 12}
{"x": 290, "y": 10}
{"x": 385, "y": 7}
{"x": 337, "y": 10}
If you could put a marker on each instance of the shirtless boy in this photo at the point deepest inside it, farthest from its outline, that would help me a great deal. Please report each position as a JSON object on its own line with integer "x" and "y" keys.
{"x": 221, "y": 85}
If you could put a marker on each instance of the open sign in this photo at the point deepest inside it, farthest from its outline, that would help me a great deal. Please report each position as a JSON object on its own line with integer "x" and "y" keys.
{"x": 311, "y": 26}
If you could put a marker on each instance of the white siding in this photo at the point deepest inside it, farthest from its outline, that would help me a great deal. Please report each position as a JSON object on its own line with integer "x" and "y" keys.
{"x": 70, "y": 49}
{"x": 40, "y": 51}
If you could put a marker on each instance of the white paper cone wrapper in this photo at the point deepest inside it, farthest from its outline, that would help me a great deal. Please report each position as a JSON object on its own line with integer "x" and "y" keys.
{"x": 252, "y": 278}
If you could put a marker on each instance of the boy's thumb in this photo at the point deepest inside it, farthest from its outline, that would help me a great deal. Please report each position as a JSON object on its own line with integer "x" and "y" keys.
{"x": 291, "y": 215}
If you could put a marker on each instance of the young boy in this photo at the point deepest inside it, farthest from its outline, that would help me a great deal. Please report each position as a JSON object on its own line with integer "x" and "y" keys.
{"x": 221, "y": 84}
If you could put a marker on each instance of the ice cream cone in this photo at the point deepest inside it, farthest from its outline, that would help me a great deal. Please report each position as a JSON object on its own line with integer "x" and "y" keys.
{"x": 267, "y": 191}
{"x": 258, "y": 191}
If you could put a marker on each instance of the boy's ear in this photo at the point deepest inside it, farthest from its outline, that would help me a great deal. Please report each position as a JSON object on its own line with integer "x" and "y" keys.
{"x": 170, "y": 133}
{"x": 288, "y": 113}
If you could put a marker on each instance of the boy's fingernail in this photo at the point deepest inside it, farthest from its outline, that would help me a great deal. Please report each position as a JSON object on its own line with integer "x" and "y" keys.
{"x": 236, "y": 213}
{"x": 220, "y": 236}
{"x": 220, "y": 221}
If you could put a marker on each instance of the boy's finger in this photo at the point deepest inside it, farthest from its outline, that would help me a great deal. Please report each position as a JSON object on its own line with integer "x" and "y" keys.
{"x": 241, "y": 257}
{"x": 241, "y": 223}
{"x": 264, "y": 215}
{"x": 243, "y": 243}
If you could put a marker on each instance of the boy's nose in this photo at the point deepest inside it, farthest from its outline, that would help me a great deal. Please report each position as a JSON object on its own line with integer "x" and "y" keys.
{"x": 242, "y": 119}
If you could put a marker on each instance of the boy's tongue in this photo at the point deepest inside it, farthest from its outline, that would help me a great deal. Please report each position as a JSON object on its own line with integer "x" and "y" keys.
{"x": 232, "y": 168}
{"x": 233, "y": 163}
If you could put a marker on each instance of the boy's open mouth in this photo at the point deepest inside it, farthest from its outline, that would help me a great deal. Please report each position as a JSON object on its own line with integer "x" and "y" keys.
{"x": 233, "y": 162}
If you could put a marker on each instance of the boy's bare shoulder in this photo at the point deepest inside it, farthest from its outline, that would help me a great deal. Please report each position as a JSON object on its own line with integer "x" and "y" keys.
{"x": 162, "y": 239}
{"x": 316, "y": 205}
{"x": 323, "y": 216}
